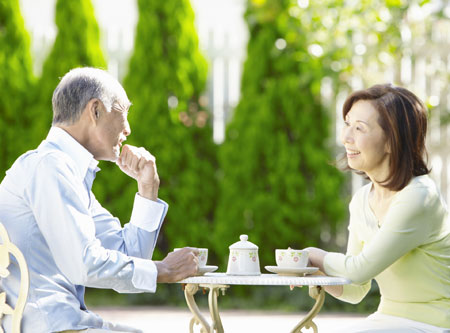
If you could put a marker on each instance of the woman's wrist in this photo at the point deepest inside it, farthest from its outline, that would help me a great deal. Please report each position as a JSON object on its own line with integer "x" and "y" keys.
{"x": 316, "y": 257}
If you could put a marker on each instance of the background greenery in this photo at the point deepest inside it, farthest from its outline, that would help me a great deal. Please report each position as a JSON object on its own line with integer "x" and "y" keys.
{"x": 77, "y": 44}
{"x": 277, "y": 144}
{"x": 166, "y": 77}
{"x": 272, "y": 178}
{"x": 16, "y": 81}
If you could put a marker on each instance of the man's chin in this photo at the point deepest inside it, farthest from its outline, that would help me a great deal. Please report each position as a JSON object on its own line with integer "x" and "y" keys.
{"x": 113, "y": 157}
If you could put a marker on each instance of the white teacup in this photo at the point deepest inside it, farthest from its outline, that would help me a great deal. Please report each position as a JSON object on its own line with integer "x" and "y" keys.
{"x": 290, "y": 258}
{"x": 202, "y": 256}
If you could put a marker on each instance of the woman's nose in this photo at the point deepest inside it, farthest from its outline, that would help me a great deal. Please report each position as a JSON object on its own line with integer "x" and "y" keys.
{"x": 347, "y": 135}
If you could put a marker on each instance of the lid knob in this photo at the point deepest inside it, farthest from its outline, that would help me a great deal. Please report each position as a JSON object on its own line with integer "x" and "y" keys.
{"x": 243, "y": 238}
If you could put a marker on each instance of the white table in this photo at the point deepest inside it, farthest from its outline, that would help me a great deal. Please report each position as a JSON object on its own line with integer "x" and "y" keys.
{"x": 217, "y": 282}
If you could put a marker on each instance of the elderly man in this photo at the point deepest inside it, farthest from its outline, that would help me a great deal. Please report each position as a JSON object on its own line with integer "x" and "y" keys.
{"x": 68, "y": 239}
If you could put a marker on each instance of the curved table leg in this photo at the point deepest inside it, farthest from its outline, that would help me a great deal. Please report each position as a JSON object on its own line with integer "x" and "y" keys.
{"x": 189, "y": 292}
{"x": 213, "y": 306}
{"x": 318, "y": 294}
{"x": 198, "y": 319}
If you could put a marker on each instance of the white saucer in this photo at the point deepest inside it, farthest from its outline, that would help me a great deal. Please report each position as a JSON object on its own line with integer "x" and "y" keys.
{"x": 206, "y": 269}
{"x": 292, "y": 271}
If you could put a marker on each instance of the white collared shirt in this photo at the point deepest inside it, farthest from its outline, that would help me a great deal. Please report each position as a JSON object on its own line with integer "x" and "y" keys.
{"x": 68, "y": 239}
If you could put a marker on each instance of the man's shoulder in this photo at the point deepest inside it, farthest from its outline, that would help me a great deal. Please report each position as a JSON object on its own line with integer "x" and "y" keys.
{"x": 47, "y": 159}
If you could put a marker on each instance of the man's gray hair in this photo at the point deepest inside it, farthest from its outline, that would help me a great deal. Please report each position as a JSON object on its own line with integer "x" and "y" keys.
{"x": 81, "y": 85}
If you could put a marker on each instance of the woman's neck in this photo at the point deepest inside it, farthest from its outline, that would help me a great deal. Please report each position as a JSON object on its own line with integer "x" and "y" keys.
{"x": 382, "y": 193}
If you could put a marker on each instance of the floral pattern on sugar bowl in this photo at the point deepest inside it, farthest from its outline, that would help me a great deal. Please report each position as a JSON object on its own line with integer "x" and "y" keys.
{"x": 235, "y": 254}
{"x": 243, "y": 258}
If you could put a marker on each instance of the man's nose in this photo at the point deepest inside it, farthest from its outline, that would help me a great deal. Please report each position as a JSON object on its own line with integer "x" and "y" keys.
{"x": 127, "y": 129}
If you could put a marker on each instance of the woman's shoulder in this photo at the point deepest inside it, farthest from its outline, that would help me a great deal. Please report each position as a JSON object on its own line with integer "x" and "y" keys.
{"x": 421, "y": 191}
{"x": 420, "y": 186}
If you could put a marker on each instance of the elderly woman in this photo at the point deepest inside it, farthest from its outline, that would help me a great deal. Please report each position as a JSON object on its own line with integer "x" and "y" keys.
{"x": 399, "y": 231}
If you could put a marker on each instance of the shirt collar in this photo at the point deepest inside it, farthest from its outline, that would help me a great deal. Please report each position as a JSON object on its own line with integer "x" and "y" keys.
{"x": 65, "y": 142}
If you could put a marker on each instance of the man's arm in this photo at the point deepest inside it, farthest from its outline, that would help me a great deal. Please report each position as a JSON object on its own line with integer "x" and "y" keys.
{"x": 139, "y": 164}
{"x": 60, "y": 204}
{"x": 137, "y": 238}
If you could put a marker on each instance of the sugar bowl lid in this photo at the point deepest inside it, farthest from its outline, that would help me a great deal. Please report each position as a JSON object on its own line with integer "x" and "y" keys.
{"x": 243, "y": 244}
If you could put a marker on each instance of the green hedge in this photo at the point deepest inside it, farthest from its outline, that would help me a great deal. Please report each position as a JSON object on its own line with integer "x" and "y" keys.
{"x": 16, "y": 85}
{"x": 77, "y": 44}
{"x": 278, "y": 185}
{"x": 165, "y": 81}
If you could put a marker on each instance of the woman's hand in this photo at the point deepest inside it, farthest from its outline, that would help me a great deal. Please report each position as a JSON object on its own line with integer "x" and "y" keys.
{"x": 316, "y": 257}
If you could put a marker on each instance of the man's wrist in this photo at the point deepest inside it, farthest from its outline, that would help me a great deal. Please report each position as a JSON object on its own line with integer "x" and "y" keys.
{"x": 162, "y": 271}
{"x": 148, "y": 192}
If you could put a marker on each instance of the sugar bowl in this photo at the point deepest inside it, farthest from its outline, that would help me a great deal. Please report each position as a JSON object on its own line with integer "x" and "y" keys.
{"x": 243, "y": 258}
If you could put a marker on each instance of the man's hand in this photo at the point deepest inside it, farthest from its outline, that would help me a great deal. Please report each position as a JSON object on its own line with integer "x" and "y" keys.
{"x": 178, "y": 265}
{"x": 139, "y": 164}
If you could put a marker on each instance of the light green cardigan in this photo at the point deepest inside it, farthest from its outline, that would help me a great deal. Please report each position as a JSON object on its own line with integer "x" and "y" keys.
{"x": 408, "y": 256}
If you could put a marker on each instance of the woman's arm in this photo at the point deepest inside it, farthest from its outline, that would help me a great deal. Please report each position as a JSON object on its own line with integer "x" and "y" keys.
{"x": 406, "y": 226}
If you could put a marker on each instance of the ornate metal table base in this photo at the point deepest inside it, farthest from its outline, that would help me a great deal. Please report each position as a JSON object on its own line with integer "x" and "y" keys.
{"x": 216, "y": 324}
{"x": 318, "y": 294}
{"x": 190, "y": 289}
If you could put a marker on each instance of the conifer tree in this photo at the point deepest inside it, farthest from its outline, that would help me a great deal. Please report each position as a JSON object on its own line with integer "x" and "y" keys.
{"x": 278, "y": 185}
{"x": 16, "y": 84}
{"x": 167, "y": 74}
{"x": 77, "y": 44}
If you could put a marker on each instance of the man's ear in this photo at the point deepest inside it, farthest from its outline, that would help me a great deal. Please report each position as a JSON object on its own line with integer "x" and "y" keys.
{"x": 93, "y": 108}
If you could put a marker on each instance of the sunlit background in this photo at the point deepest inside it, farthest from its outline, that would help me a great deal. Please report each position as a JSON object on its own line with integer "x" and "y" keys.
{"x": 223, "y": 38}
{"x": 221, "y": 28}
{"x": 276, "y": 81}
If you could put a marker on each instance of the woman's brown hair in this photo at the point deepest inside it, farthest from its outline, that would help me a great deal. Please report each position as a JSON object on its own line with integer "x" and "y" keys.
{"x": 403, "y": 118}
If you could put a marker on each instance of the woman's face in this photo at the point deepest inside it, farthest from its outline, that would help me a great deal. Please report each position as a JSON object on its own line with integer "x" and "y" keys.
{"x": 365, "y": 141}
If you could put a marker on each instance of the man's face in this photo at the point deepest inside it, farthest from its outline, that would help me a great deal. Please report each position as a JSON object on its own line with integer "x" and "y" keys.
{"x": 111, "y": 130}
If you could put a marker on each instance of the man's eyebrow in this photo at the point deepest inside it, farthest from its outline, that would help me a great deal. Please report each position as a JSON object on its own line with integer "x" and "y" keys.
{"x": 120, "y": 107}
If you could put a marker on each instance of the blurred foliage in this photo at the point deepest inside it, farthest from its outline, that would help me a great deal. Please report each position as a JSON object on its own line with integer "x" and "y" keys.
{"x": 16, "y": 83}
{"x": 278, "y": 185}
{"x": 77, "y": 44}
{"x": 166, "y": 77}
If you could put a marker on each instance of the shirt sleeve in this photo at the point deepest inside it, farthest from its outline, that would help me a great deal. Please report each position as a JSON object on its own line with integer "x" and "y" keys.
{"x": 138, "y": 237}
{"x": 404, "y": 228}
{"x": 60, "y": 204}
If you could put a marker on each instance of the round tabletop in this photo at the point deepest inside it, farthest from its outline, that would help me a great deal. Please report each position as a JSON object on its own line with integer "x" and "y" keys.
{"x": 266, "y": 280}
